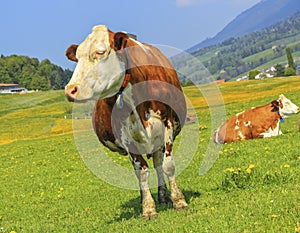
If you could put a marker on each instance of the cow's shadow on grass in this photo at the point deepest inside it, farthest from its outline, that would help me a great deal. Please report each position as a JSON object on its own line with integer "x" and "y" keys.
{"x": 133, "y": 207}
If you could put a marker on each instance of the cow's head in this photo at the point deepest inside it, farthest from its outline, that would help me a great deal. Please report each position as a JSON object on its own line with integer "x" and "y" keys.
{"x": 286, "y": 107}
{"x": 100, "y": 67}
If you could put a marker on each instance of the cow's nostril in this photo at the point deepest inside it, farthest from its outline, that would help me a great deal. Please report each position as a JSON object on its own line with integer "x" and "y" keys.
{"x": 73, "y": 92}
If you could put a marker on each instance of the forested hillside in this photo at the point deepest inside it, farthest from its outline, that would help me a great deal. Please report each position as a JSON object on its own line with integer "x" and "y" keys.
{"x": 263, "y": 14}
{"x": 236, "y": 56}
{"x": 32, "y": 74}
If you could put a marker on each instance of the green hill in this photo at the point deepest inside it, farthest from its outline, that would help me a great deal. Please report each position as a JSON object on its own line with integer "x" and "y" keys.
{"x": 263, "y": 14}
{"x": 237, "y": 56}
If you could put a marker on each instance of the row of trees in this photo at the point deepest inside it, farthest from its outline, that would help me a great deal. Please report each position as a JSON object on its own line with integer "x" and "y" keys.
{"x": 33, "y": 74}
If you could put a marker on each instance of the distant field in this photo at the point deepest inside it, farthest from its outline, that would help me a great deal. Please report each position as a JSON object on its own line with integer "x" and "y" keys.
{"x": 46, "y": 187}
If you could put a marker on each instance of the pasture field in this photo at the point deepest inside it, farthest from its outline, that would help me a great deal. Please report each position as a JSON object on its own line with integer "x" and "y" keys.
{"x": 46, "y": 187}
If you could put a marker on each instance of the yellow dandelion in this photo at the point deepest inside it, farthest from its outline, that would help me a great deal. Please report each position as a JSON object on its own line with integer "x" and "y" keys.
{"x": 251, "y": 166}
{"x": 239, "y": 169}
{"x": 297, "y": 229}
{"x": 249, "y": 169}
{"x": 298, "y": 157}
{"x": 212, "y": 208}
{"x": 286, "y": 166}
{"x": 230, "y": 169}
{"x": 274, "y": 215}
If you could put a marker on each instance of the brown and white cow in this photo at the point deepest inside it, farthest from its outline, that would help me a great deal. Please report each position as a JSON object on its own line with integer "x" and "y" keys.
{"x": 118, "y": 70}
{"x": 257, "y": 122}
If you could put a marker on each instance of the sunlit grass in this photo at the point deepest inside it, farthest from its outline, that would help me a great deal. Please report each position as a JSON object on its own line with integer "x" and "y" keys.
{"x": 46, "y": 187}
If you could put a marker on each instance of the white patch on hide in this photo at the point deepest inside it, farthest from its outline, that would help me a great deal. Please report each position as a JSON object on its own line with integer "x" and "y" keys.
{"x": 240, "y": 113}
{"x": 241, "y": 136}
{"x": 146, "y": 140}
{"x": 247, "y": 124}
{"x": 272, "y": 132}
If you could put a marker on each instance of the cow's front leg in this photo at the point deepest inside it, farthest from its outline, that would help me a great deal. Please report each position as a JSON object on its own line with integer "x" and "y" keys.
{"x": 169, "y": 168}
{"x": 163, "y": 193}
{"x": 142, "y": 172}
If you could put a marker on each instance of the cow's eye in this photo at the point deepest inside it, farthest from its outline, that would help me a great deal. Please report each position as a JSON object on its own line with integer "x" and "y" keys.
{"x": 99, "y": 53}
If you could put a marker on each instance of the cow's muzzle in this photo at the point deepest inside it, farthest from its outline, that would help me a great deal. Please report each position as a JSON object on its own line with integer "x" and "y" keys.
{"x": 71, "y": 91}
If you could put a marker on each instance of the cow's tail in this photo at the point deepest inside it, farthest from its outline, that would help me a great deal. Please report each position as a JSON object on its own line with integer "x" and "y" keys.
{"x": 217, "y": 138}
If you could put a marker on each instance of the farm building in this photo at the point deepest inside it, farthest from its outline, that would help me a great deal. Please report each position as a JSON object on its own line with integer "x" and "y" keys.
{"x": 11, "y": 88}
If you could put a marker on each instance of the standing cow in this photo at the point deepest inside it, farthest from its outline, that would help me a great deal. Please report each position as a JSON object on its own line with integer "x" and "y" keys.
{"x": 109, "y": 67}
{"x": 257, "y": 122}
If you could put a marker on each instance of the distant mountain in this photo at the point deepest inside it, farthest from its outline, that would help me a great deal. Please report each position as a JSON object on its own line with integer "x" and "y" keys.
{"x": 235, "y": 57}
{"x": 261, "y": 15}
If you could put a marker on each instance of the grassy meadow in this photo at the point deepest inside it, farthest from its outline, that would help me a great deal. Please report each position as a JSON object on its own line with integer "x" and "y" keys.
{"x": 46, "y": 187}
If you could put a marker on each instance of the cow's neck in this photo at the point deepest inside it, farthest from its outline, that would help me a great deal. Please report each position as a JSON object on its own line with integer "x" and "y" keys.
{"x": 126, "y": 79}
{"x": 275, "y": 113}
{"x": 278, "y": 114}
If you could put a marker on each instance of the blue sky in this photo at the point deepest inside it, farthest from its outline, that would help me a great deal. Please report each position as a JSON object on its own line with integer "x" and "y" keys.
{"x": 44, "y": 29}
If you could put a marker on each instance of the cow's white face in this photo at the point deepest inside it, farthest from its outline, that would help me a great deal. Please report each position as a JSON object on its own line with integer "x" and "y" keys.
{"x": 99, "y": 72}
{"x": 286, "y": 107}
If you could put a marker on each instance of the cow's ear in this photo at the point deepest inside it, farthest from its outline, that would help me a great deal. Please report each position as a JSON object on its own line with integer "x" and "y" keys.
{"x": 275, "y": 103}
{"x": 120, "y": 40}
{"x": 71, "y": 53}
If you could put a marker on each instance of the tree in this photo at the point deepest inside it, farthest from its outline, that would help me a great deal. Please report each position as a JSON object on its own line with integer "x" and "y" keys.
{"x": 32, "y": 74}
{"x": 290, "y": 59}
{"x": 279, "y": 70}
{"x": 39, "y": 83}
{"x": 290, "y": 72}
{"x": 253, "y": 73}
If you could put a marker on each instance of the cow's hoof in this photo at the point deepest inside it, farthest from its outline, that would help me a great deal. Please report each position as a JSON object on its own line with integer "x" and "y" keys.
{"x": 180, "y": 205}
{"x": 149, "y": 215}
{"x": 164, "y": 200}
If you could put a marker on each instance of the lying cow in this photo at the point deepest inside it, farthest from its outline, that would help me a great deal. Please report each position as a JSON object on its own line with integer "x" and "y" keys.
{"x": 109, "y": 67}
{"x": 257, "y": 122}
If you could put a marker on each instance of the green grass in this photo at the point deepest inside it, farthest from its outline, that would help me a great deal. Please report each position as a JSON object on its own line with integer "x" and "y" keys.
{"x": 46, "y": 186}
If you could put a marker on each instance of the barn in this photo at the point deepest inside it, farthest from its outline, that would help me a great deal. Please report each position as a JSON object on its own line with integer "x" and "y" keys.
{"x": 11, "y": 88}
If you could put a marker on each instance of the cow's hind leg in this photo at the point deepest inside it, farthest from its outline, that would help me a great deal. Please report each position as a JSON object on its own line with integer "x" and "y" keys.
{"x": 163, "y": 193}
{"x": 142, "y": 173}
{"x": 169, "y": 168}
